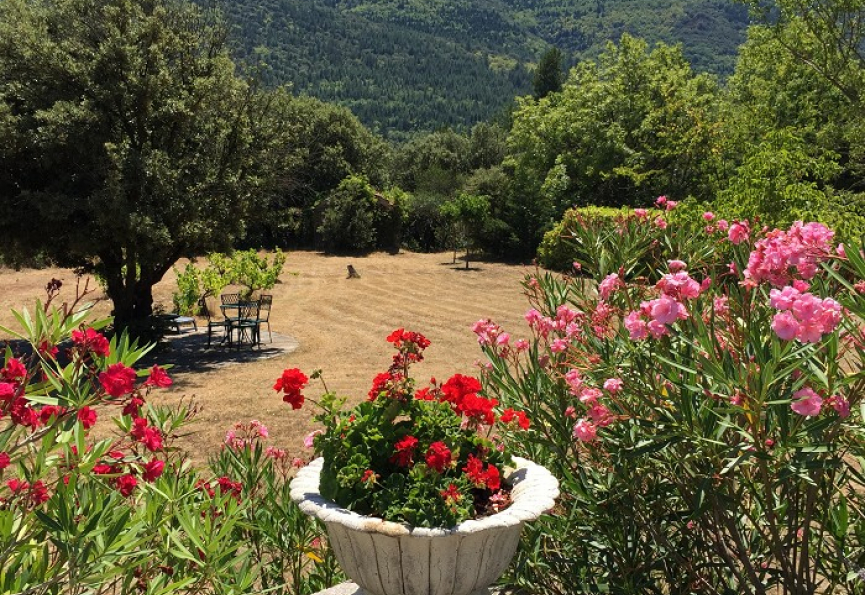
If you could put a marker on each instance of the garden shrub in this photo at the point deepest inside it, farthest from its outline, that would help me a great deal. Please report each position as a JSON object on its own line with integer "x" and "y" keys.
{"x": 426, "y": 229}
{"x": 348, "y": 217}
{"x": 595, "y": 238}
{"x": 243, "y": 267}
{"x": 706, "y": 424}
{"x": 128, "y": 513}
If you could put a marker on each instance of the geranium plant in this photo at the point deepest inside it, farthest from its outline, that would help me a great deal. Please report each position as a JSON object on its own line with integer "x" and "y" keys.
{"x": 429, "y": 457}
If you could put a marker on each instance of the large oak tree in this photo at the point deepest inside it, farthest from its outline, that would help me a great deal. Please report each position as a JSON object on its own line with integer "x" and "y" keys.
{"x": 126, "y": 138}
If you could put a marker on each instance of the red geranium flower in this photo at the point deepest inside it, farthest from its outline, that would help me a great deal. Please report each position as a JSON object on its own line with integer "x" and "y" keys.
{"x": 451, "y": 494}
{"x": 291, "y": 383}
{"x": 379, "y": 385}
{"x": 158, "y": 377}
{"x": 478, "y": 409}
{"x": 508, "y": 415}
{"x": 483, "y": 478}
{"x": 457, "y": 387}
{"x": 438, "y": 457}
{"x": 118, "y": 380}
{"x": 87, "y": 417}
{"x": 404, "y": 451}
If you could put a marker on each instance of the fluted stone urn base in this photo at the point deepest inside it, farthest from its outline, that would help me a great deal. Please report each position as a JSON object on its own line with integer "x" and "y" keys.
{"x": 386, "y": 558}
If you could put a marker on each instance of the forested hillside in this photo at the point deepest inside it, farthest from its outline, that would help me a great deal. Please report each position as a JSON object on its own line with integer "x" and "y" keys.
{"x": 411, "y": 65}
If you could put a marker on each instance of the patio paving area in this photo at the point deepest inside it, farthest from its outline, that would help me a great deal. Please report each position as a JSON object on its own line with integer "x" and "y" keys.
{"x": 188, "y": 351}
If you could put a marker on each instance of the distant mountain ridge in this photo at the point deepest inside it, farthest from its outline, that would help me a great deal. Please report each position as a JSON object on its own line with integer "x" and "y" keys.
{"x": 405, "y": 66}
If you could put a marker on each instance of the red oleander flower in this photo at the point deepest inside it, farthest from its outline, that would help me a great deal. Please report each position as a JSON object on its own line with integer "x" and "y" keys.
{"x": 47, "y": 350}
{"x": 150, "y": 437}
{"x": 404, "y": 455}
{"x": 126, "y": 484}
{"x": 152, "y": 470}
{"x": 158, "y": 378}
{"x": 87, "y": 417}
{"x": 291, "y": 383}
{"x": 50, "y": 411}
{"x": 23, "y": 414}
{"x": 226, "y": 486}
{"x": 91, "y": 340}
{"x": 133, "y": 407}
{"x": 118, "y": 380}
{"x": 7, "y": 391}
{"x": 14, "y": 370}
{"x": 438, "y": 457}
{"x": 39, "y": 493}
{"x": 4, "y": 460}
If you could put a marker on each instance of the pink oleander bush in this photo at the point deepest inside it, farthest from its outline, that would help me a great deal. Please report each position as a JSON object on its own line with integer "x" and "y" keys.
{"x": 704, "y": 415}
{"x": 126, "y": 512}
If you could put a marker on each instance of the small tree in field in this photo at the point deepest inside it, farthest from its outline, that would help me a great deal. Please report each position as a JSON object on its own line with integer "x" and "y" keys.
{"x": 466, "y": 215}
{"x": 126, "y": 138}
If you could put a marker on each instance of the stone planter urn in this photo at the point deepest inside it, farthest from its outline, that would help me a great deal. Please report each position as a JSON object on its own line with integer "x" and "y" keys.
{"x": 387, "y": 558}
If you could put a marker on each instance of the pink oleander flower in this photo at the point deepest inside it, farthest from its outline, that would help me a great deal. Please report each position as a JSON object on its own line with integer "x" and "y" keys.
{"x": 309, "y": 440}
{"x": 679, "y": 285}
{"x": 657, "y": 329}
{"x": 660, "y": 223}
{"x": 559, "y": 345}
{"x": 574, "y": 381}
{"x": 723, "y": 225}
{"x": 667, "y": 310}
{"x": 800, "y": 249}
{"x": 609, "y": 285}
{"x": 521, "y": 345}
{"x": 806, "y": 402}
{"x": 585, "y": 431}
{"x": 671, "y": 204}
{"x": 600, "y": 415}
{"x": 636, "y": 326}
{"x": 785, "y": 326}
{"x": 708, "y": 216}
{"x": 661, "y": 201}
{"x": 738, "y": 232}
{"x": 613, "y": 385}
{"x": 803, "y": 316}
{"x": 641, "y": 213}
{"x": 721, "y": 305}
{"x": 565, "y": 316}
{"x": 840, "y": 405}
{"x": 590, "y": 395}
{"x": 676, "y": 265}
{"x": 487, "y": 331}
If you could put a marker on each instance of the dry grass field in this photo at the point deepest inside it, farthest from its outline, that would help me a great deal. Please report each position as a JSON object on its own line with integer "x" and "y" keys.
{"x": 340, "y": 325}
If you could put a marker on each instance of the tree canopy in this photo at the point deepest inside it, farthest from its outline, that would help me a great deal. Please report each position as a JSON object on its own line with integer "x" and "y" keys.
{"x": 126, "y": 136}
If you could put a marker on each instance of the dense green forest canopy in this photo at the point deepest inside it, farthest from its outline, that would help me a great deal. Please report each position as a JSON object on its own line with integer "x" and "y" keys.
{"x": 418, "y": 65}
